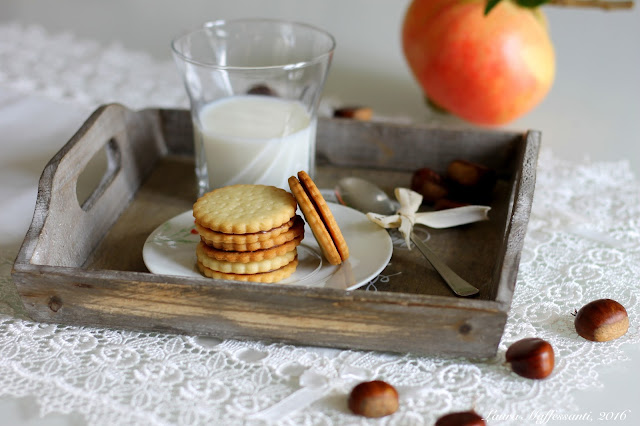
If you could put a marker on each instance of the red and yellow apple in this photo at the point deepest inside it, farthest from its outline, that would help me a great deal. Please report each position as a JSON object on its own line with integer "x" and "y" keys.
{"x": 486, "y": 69}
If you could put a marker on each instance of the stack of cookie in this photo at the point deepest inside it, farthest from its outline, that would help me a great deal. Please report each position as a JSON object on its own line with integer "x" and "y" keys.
{"x": 248, "y": 233}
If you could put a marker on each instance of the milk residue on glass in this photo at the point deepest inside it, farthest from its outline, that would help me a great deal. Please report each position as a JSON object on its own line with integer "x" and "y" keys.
{"x": 254, "y": 139}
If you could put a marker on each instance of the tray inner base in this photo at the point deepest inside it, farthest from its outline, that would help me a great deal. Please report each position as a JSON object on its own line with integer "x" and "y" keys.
{"x": 472, "y": 250}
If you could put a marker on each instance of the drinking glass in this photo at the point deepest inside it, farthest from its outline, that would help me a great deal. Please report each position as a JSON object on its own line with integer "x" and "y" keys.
{"x": 254, "y": 87}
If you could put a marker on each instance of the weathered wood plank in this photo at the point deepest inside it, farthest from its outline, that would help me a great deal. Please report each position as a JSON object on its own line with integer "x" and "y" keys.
{"x": 323, "y": 317}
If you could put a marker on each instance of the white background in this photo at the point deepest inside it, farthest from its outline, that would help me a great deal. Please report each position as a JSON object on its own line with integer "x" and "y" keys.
{"x": 593, "y": 109}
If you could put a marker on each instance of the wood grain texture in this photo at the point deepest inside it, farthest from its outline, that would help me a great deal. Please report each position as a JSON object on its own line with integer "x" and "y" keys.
{"x": 325, "y": 317}
{"x": 84, "y": 266}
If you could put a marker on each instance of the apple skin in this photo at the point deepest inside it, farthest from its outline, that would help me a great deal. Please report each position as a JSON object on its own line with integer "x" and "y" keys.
{"x": 486, "y": 69}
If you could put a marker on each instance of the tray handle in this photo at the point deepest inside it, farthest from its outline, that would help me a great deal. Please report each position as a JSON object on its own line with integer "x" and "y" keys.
{"x": 64, "y": 233}
{"x": 86, "y": 178}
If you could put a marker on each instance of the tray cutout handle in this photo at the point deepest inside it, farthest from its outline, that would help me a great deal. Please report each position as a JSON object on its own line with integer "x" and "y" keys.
{"x": 104, "y": 165}
{"x": 65, "y": 231}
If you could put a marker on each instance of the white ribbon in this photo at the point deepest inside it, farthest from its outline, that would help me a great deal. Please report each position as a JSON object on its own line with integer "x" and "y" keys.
{"x": 579, "y": 225}
{"x": 313, "y": 387}
{"x": 407, "y": 215}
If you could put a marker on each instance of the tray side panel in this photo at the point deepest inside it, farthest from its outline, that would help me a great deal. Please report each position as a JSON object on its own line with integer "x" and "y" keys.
{"x": 62, "y": 232}
{"x": 349, "y": 143}
{"x": 335, "y": 319}
{"x": 177, "y": 129}
{"x": 518, "y": 219}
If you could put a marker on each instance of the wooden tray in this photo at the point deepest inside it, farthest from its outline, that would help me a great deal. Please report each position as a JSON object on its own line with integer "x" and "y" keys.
{"x": 82, "y": 264}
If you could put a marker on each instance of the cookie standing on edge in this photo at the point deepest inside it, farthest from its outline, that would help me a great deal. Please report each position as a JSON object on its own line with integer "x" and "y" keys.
{"x": 319, "y": 217}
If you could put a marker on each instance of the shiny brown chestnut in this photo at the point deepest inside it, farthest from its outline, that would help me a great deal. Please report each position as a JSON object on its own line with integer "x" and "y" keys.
{"x": 467, "y": 173}
{"x": 361, "y": 113}
{"x": 470, "y": 182}
{"x": 261, "y": 89}
{"x": 602, "y": 320}
{"x": 373, "y": 399}
{"x": 429, "y": 184}
{"x": 462, "y": 418}
{"x": 532, "y": 358}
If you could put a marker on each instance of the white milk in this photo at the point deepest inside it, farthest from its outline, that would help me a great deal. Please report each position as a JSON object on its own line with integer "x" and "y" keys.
{"x": 255, "y": 139}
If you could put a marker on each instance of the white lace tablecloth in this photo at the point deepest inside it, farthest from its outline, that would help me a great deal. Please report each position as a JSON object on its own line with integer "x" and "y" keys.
{"x": 583, "y": 243}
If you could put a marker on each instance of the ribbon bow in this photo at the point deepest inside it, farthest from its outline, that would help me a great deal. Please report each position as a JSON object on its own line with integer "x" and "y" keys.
{"x": 407, "y": 216}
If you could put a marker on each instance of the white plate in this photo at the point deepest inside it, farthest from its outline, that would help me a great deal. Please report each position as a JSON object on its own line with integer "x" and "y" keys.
{"x": 171, "y": 250}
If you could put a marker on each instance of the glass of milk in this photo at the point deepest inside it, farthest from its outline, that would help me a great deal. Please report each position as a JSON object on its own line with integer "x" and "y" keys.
{"x": 254, "y": 87}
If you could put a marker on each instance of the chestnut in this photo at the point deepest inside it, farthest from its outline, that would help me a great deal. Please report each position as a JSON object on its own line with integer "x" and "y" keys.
{"x": 354, "y": 112}
{"x": 602, "y": 320}
{"x": 429, "y": 184}
{"x": 532, "y": 358}
{"x": 261, "y": 89}
{"x": 462, "y": 418}
{"x": 373, "y": 399}
{"x": 471, "y": 182}
{"x": 466, "y": 173}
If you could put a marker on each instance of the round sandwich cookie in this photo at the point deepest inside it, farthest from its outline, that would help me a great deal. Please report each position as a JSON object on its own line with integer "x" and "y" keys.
{"x": 214, "y": 237}
{"x": 251, "y": 256}
{"x": 251, "y": 267}
{"x": 254, "y": 241}
{"x": 319, "y": 217}
{"x": 244, "y": 209}
{"x": 262, "y": 277}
